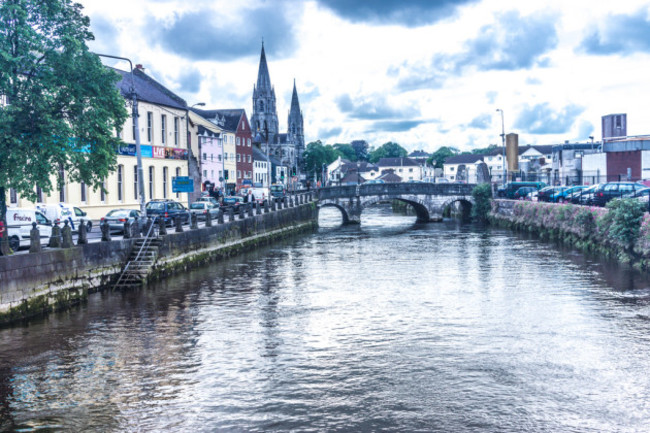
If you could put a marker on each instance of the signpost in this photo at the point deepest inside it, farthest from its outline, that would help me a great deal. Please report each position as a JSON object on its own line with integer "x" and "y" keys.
{"x": 183, "y": 184}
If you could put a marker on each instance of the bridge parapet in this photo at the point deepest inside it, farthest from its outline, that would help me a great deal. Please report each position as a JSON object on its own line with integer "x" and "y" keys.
{"x": 395, "y": 189}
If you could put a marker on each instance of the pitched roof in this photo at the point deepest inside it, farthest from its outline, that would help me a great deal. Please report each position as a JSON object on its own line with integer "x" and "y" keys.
{"x": 147, "y": 89}
{"x": 470, "y": 158}
{"x": 353, "y": 178}
{"x": 397, "y": 162}
{"x": 231, "y": 117}
{"x": 390, "y": 177}
{"x": 364, "y": 166}
{"x": 258, "y": 154}
{"x": 545, "y": 149}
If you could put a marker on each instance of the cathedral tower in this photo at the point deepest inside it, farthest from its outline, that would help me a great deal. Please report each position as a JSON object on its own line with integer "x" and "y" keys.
{"x": 265, "y": 117}
{"x": 296, "y": 132}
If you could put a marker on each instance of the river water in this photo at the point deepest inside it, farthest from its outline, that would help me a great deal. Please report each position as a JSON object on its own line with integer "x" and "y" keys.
{"x": 387, "y": 326}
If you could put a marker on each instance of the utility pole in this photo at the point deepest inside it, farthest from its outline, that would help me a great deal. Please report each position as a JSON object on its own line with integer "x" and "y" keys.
{"x": 503, "y": 143}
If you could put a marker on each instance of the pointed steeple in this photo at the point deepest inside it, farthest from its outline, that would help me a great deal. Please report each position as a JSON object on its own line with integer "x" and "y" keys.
{"x": 263, "y": 78}
{"x": 295, "y": 105}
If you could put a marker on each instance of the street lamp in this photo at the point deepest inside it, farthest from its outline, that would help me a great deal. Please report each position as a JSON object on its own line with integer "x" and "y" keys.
{"x": 503, "y": 143}
{"x": 591, "y": 137}
{"x": 135, "y": 116}
{"x": 358, "y": 171}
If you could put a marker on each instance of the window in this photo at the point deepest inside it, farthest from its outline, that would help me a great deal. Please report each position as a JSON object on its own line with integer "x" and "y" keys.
{"x": 102, "y": 192}
{"x": 120, "y": 173}
{"x": 219, "y": 158}
{"x": 249, "y": 159}
{"x": 211, "y": 174}
{"x": 238, "y": 157}
{"x": 225, "y": 157}
{"x": 135, "y": 182}
{"x": 220, "y": 174}
{"x": 205, "y": 156}
{"x": 410, "y": 170}
{"x": 238, "y": 141}
{"x": 83, "y": 192}
{"x": 249, "y": 142}
{"x": 163, "y": 127}
{"x": 238, "y": 174}
{"x": 13, "y": 197}
{"x": 176, "y": 131}
{"x": 151, "y": 183}
{"x": 178, "y": 173}
{"x": 165, "y": 170}
{"x": 212, "y": 157}
{"x": 149, "y": 126}
{"x": 205, "y": 173}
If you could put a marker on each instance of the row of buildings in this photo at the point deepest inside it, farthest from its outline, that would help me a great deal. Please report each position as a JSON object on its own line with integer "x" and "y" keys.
{"x": 404, "y": 169}
{"x": 615, "y": 157}
{"x": 218, "y": 148}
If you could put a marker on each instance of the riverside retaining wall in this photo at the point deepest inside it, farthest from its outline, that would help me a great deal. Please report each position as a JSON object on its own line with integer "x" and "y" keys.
{"x": 31, "y": 284}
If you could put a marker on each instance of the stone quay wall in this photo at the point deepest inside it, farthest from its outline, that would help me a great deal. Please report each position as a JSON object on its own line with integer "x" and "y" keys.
{"x": 36, "y": 283}
{"x": 588, "y": 228}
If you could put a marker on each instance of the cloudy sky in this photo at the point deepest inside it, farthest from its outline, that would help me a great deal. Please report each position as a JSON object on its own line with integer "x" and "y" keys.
{"x": 423, "y": 73}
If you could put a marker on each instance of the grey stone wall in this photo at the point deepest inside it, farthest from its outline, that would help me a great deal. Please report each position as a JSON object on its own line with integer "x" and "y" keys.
{"x": 53, "y": 279}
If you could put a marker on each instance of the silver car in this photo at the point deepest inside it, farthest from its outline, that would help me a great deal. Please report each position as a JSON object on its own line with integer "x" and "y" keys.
{"x": 201, "y": 209}
{"x": 117, "y": 217}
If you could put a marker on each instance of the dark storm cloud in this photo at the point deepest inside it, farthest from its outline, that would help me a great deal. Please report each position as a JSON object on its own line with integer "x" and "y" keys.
{"x": 513, "y": 42}
{"x": 409, "y": 13}
{"x": 190, "y": 80}
{"x": 620, "y": 34}
{"x": 374, "y": 109}
{"x": 542, "y": 119}
{"x": 203, "y": 35}
{"x": 484, "y": 121}
{"x": 395, "y": 125}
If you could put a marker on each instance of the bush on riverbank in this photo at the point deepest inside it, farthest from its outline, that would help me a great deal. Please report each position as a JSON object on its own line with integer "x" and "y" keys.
{"x": 622, "y": 229}
{"x": 482, "y": 195}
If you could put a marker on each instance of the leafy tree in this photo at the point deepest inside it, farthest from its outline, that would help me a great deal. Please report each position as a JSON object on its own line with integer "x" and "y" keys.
{"x": 387, "y": 150}
{"x": 62, "y": 105}
{"x": 482, "y": 195}
{"x": 346, "y": 151}
{"x": 484, "y": 150}
{"x": 438, "y": 158}
{"x": 624, "y": 220}
{"x": 315, "y": 156}
{"x": 360, "y": 149}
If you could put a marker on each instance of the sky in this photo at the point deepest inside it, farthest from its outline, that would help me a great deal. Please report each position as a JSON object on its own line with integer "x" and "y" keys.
{"x": 421, "y": 73}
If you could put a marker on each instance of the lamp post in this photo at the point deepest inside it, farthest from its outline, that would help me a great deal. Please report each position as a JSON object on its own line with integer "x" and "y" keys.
{"x": 358, "y": 171}
{"x": 503, "y": 143}
{"x": 136, "y": 127}
{"x": 591, "y": 137}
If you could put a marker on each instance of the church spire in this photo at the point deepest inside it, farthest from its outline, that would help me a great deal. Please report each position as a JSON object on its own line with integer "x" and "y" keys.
{"x": 263, "y": 78}
{"x": 295, "y": 105}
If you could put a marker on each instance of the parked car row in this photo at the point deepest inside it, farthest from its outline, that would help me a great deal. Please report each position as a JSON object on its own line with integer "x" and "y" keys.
{"x": 590, "y": 195}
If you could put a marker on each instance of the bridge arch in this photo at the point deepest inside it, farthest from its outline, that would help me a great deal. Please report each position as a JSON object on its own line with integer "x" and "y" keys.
{"x": 465, "y": 206}
{"x": 421, "y": 210}
{"x": 344, "y": 213}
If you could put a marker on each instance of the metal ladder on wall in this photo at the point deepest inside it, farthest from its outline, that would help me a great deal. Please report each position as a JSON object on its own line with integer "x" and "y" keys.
{"x": 142, "y": 258}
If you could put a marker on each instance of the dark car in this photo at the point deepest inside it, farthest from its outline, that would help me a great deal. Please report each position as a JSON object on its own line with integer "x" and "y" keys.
{"x": 508, "y": 190}
{"x": 117, "y": 217}
{"x": 643, "y": 192}
{"x": 545, "y": 194}
{"x": 168, "y": 210}
{"x": 611, "y": 190}
{"x": 582, "y": 196}
{"x": 234, "y": 202}
{"x": 523, "y": 192}
{"x": 563, "y": 196}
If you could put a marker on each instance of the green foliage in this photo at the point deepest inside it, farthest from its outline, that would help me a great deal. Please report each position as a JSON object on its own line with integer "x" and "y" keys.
{"x": 360, "y": 149}
{"x": 387, "y": 150}
{"x": 63, "y": 106}
{"x": 482, "y": 195}
{"x": 624, "y": 218}
{"x": 315, "y": 155}
{"x": 438, "y": 158}
{"x": 346, "y": 151}
{"x": 584, "y": 219}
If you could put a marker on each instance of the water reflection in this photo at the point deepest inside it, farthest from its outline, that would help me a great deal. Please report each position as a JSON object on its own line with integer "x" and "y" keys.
{"x": 385, "y": 326}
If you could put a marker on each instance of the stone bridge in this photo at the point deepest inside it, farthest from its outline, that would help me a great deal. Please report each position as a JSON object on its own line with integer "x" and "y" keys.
{"x": 429, "y": 200}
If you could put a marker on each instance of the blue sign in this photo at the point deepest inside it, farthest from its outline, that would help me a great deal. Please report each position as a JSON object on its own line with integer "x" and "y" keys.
{"x": 182, "y": 184}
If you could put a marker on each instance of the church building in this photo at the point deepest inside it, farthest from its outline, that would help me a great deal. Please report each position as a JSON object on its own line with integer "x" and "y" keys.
{"x": 286, "y": 147}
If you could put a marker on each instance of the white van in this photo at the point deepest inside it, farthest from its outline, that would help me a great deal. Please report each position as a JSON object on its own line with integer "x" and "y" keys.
{"x": 62, "y": 212}
{"x": 19, "y": 225}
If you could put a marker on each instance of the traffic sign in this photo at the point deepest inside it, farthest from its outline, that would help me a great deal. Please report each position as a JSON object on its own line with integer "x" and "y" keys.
{"x": 182, "y": 184}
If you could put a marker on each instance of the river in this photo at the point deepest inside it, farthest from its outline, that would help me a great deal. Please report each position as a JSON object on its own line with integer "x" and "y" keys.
{"x": 388, "y": 326}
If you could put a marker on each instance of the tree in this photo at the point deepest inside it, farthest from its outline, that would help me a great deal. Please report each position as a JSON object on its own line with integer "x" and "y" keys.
{"x": 346, "y": 151}
{"x": 438, "y": 158}
{"x": 62, "y": 104}
{"x": 315, "y": 156}
{"x": 387, "y": 150}
{"x": 360, "y": 149}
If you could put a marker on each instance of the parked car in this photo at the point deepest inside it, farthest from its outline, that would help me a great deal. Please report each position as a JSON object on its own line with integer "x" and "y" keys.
{"x": 234, "y": 202}
{"x": 508, "y": 190}
{"x": 278, "y": 191}
{"x": 523, "y": 192}
{"x": 62, "y": 212}
{"x": 168, "y": 210}
{"x": 610, "y": 190}
{"x": 546, "y": 193}
{"x": 117, "y": 217}
{"x": 202, "y": 208}
{"x": 207, "y": 199}
{"x": 643, "y": 192}
{"x": 19, "y": 226}
{"x": 563, "y": 196}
